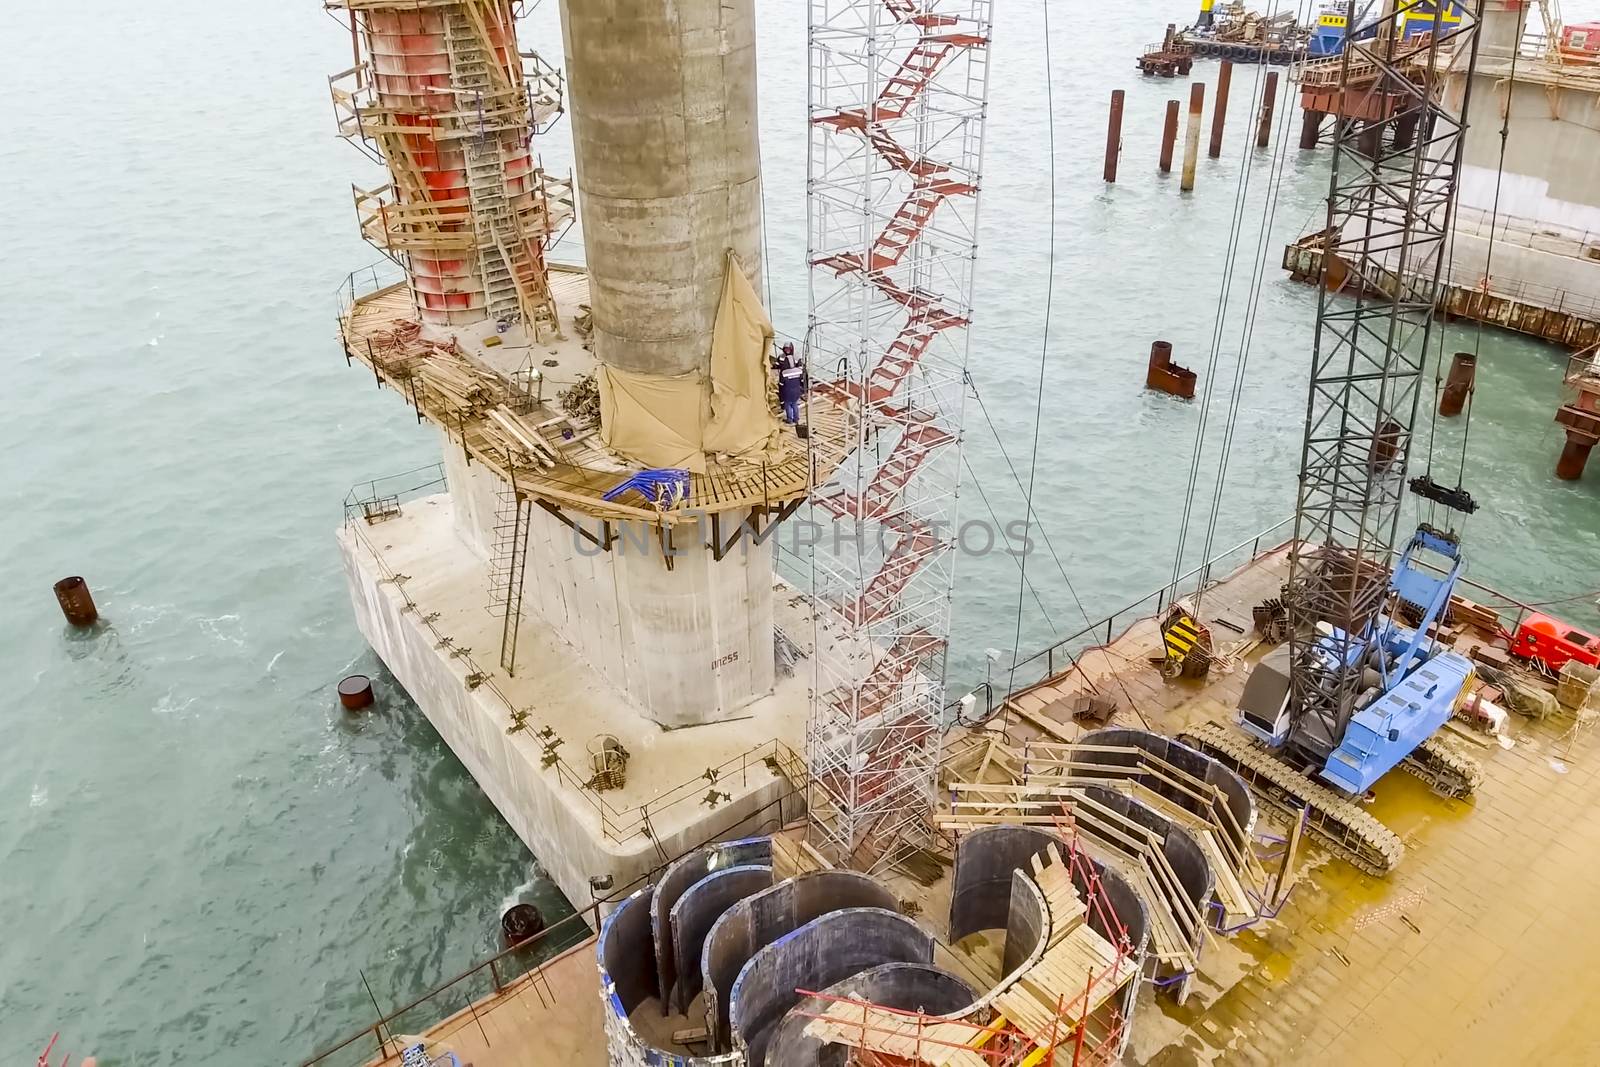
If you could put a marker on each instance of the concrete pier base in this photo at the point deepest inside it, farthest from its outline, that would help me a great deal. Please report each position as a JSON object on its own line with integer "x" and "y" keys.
{"x": 433, "y": 632}
{"x": 691, "y": 643}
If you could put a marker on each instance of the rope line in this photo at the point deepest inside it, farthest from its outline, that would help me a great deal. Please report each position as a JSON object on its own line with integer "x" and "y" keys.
{"x": 1275, "y": 167}
{"x": 1044, "y": 345}
{"x": 1275, "y": 164}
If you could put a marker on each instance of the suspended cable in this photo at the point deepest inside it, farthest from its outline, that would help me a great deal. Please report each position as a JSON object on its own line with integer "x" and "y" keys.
{"x": 995, "y": 519}
{"x": 1275, "y": 166}
{"x": 1044, "y": 344}
{"x": 1219, "y": 319}
{"x": 1045, "y": 537}
{"x": 1488, "y": 259}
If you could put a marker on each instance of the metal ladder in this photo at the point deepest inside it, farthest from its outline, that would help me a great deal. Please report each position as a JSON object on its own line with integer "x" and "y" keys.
{"x": 508, "y": 566}
{"x": 486, "y": 184}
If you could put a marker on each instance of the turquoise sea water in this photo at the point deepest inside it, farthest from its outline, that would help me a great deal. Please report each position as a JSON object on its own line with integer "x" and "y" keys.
{"x": 200, "y": 854}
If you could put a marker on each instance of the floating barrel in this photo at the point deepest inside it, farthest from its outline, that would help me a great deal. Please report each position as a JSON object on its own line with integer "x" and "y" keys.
{"x": 520, "y": 922}
{"x": 76, "y": 603}
{"x": 355, "y": 692}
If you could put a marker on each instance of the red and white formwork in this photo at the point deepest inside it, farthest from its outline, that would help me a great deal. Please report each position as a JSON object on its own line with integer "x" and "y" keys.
{"x": 440, "y": 95}
{"x": 897, "y": 107}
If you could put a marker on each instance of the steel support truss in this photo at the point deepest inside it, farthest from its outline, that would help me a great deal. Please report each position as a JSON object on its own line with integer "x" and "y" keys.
{"x": 1391, "y": 197}
{"x": 897, "y": 107}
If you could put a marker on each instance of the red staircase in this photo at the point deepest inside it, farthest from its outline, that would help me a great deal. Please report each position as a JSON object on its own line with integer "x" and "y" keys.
{"x": 902, "y": 357}
{"x": 890, "y": 247}
{"x": 918, "y": 442}
{"x": 907, "y": 11}
{"x": 888, "y": 674}
{"x": 916, "y": 71}
{"x": 916, "y": 546}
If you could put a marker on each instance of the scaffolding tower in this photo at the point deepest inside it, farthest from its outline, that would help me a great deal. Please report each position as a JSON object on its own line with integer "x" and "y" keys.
{"x": 1390, "y": 201}
{"x": 441, "y": 96}
{"x": 897, "y": 106}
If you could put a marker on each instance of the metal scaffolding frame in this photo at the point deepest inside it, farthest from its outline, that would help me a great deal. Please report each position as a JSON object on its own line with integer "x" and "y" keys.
{"x": 897, "y": 107}
{"x": 1389, "y": 218}
{"x": 486, "y": 105}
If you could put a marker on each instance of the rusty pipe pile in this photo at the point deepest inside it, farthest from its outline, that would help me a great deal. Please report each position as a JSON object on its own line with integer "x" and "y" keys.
{"x": 1268, "y": 104}
{"x": 1219, "y": 114}
{"x": 1463, "y": 374}
{"x": 1114, "y": 134}
{"x": 1191, "y": 140}
{"x": 1165, "y": 376}
{"x": 1169, "y": 136}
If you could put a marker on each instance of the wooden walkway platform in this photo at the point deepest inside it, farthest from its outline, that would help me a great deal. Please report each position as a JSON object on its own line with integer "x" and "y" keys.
{"x": 451, "y": 381}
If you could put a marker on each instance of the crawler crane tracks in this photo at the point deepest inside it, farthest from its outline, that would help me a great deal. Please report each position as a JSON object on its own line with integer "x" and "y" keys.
{"x": 1334, "y": 817}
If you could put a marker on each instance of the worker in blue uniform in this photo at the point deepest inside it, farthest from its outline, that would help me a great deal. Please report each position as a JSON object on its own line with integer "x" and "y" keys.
{"x": 791, "y": 383}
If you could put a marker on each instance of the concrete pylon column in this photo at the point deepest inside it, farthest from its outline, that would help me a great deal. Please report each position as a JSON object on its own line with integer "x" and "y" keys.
{"x": 662, "y": 100}
{"x": 1500, "y": 28}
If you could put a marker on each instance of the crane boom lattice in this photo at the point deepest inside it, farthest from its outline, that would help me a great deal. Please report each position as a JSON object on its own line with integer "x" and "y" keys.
{"x": 1390, "y": 201}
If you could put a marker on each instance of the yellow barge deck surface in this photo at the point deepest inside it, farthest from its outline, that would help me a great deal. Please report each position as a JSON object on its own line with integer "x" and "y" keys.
{"x": 1478, "y": 949}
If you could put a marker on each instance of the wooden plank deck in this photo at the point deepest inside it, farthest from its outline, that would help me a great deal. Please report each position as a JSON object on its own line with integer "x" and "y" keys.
{"x": 535, "y": 1022}
{"x": 461, "y": 395}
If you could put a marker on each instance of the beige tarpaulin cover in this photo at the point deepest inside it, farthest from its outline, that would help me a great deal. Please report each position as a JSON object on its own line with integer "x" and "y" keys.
{"x": 742, "y": 423}
{"x": 652, "y": 419}
{"x": 674, "y": 421}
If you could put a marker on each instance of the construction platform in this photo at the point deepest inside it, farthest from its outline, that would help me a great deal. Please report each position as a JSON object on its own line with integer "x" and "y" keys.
{"x": 1548, "y": 314}
{"x": 477, "y": 385}
{"x": 1477, "y": 949}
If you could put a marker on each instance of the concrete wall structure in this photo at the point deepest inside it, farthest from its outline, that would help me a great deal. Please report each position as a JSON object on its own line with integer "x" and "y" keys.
{"x": 663, "y": 109}
{"x": 1550, "y": 154}
{"x": 1551, "y": 150}
{"x": 987, "y": 860}
{"x": 1183, "y": 853}
{"x": 563, "y": 831}
{"x": 627, "y": 981}
{"x": 683, "y": 874}
{"x": 757, "y": 921}
{"x": 906, "y": 986}
{"x": 817, "y": 955}
{"x": 689, "y": 645}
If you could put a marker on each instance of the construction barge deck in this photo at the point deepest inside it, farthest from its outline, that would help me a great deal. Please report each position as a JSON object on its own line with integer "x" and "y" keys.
{"x": 1560, "y": 317}
{"x": 1487, "y": 907}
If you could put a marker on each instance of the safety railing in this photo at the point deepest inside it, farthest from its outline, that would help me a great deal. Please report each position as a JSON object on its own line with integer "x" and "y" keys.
{"x": 1060, "y": 656}
{"x": 771, "y": 757}
{"x": 1526, "y": 232}
{"x": 1548, "y": 297}
{"x": 373, "y": 500}
{"x": 519, "y": 967}
{"x": 502, "y": 972}
{"x": 365, "y": 282}
{"x": 1303, "y": 259}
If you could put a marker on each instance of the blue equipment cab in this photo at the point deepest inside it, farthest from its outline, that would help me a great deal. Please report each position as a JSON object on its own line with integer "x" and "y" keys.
{"x": 1328, "y": 35}
{"x": 1414, "y": 685}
